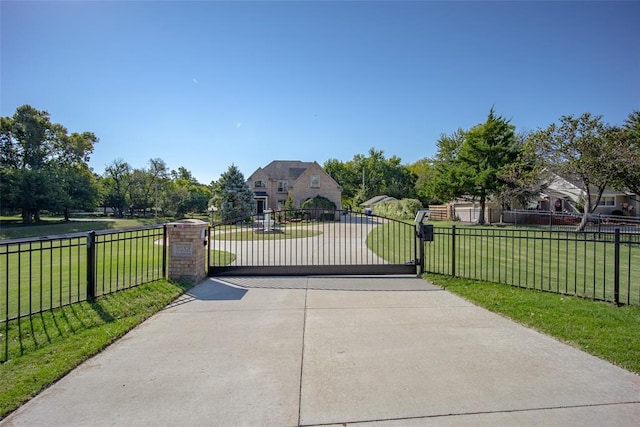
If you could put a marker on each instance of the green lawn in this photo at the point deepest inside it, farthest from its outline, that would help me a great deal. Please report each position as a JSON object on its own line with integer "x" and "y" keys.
{"x": 11, "y": 227}
{"x": 561, "y": 262}
{"x": 46, "y": 274}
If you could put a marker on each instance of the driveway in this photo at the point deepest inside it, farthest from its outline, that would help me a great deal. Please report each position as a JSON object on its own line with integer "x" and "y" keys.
{"x": 357, "y": 351}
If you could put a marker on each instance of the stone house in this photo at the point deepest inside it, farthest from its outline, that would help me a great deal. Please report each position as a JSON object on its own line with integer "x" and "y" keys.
{"x": 272, "y": 184}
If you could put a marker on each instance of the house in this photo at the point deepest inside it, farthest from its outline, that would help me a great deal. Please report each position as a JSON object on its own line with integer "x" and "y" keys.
{"x": 272, "y": 184}
{"x": 564, "y": 195}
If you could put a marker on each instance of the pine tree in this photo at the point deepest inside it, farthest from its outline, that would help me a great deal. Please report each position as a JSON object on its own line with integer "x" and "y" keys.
{"x": 233, "y": 195}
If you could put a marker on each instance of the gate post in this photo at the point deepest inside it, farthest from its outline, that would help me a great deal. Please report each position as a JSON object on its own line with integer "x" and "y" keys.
{"x": 187, "y": 250}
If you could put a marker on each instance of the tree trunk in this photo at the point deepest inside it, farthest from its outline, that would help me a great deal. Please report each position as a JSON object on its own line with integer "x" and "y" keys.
{"x": 66, "y": 214}
{"x": 26, "y": 216}
{"x": 483, "y": 201}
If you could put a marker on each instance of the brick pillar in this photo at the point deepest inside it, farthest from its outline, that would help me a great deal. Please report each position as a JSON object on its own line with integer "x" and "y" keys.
{"x": 187, "y": 250}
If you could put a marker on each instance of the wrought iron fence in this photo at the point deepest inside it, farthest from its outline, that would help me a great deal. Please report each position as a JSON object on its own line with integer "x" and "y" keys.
{"x": 568, "y": 221}
{"x": 41, "y": 274}
{"x": 595, "y": 265}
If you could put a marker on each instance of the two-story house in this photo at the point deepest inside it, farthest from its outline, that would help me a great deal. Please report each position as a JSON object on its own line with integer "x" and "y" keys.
{"x": 272, "y": 184}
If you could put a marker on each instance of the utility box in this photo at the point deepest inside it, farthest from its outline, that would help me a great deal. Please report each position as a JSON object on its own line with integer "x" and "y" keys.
{"x": 425, "y": 232}
{"x": 187, "y": 250}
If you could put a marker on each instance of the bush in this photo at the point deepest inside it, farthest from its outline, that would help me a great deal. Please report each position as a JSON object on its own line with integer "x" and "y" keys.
{"x": 398, "y": 209}
{"x": 318, "y": 202}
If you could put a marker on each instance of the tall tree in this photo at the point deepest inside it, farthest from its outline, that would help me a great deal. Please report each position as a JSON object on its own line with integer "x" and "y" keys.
{"x": 232, "y": 195}
{"x": 580, "y": 149}
{"x": 39, "y": 163}
{"x": 117, "y": 181}
{"x": 472, "y": 163}
{"x": 628, "y": 154}
{"x": 369, "y": 175}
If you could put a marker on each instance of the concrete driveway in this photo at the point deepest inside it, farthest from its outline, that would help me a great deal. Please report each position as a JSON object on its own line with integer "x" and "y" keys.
{"x": 387, "y": 351}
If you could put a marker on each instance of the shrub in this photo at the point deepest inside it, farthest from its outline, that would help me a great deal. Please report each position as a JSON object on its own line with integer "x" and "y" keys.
{"x": 398, "y": 209}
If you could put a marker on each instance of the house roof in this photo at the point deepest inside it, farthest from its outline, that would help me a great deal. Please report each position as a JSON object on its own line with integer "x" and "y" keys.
{"x": 285, "y": 170}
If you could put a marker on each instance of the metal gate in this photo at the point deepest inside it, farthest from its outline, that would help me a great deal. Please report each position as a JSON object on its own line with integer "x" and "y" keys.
{"x": 312, "y": 242}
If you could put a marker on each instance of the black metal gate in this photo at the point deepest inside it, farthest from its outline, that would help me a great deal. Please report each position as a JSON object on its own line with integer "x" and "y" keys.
{"x": 312, "y": 242}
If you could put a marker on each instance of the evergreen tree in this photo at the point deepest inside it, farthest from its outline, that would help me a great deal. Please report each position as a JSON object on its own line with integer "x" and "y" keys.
{"x": 233, "y": 196}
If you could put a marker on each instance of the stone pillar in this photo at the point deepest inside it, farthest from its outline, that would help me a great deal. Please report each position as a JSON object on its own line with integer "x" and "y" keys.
{"x": 187, "y": 250}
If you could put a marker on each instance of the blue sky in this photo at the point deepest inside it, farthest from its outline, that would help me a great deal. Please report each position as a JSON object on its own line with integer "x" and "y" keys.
{"x": 208, "y": 84}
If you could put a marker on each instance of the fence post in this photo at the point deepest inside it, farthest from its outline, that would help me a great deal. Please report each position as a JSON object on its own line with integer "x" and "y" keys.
{"x": 91, "y": 266}
{"x": 453, "y": 250}
{"x": 616, "y": 267}
{"x": 164, "y": 251}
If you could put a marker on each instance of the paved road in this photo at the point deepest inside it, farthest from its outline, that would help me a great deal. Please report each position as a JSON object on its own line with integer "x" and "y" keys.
{"x": 357, "y": 351}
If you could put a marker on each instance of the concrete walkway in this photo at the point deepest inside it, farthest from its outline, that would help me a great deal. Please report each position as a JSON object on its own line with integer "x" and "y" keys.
{"x": 386, "y": 351}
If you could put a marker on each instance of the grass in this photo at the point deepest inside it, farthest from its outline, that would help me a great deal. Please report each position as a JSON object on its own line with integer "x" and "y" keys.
{"x": 44, "y": 347}
{"x": 11, "y": 228}
{"x": 561, "y": 262}
{"x": 46, "y": 274}
{"x": 598, "y": 328}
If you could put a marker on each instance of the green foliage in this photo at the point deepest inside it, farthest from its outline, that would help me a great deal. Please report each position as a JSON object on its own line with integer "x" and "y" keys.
{"x": 627, "y": 171}
{"x": 366, "y": 176}
{"x": 472, "y": 163}
{"x": 42, "y": 166}
{"x": 582, "y": 149}
{"x": 232, "y": 195}
{"x": 398, "y": 209}
{"x": 318, "y": 202}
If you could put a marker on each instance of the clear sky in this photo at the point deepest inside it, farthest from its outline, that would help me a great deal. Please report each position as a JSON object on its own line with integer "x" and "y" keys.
{"x": 208, "y": 84}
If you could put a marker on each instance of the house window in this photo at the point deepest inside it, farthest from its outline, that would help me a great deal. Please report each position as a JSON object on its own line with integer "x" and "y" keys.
{"x": 315, "y": 181}
{"x": 259, "y": 184}
{"x": 281, "y": 204}
{"x": 283, "y": 186}
{"x": 607, "y": 201}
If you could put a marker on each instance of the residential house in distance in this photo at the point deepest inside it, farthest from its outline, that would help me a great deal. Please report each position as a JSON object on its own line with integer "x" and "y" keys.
{"x": 272, "y": 184}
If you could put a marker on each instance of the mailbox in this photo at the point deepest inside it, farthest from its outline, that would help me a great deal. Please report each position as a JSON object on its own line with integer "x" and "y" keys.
{"x": 425, "y": 232}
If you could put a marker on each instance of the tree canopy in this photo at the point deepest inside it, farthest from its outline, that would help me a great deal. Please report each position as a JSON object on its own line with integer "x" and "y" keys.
{"x": 580, "y": 149}
{"x": 472, "y": 163}
{"x": 232, "y": 195}
{"x": 42, "y": 166}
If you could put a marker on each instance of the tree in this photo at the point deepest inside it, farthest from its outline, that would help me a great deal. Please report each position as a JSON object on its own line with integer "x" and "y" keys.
{"x": 472, "y": 163}
{"x": 523, "y": 179}
{"x": 447, "y": 181}
{"x": 233, "y": 196}
{"x": 366, "y": 176}
{"x": 487, "y": 150}
{"x": 117, "y": 181}
{"x": 423, "y": 170}
{"x": 581, "y": 149}
{"x": 41, "y": 164}
{"x": 628, "y": 154}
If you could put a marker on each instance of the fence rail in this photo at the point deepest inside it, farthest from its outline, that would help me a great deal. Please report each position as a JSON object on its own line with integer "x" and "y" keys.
{"x": 568, "y": 221}
{"x": 41, "y": 274}
{"x": 595, "y": 265}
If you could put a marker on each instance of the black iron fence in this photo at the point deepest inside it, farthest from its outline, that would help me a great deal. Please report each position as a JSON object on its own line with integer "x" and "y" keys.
{"x": 596, "y": 265}
{"x": 600, "y": 223}
{"x": 41, "y": 274}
